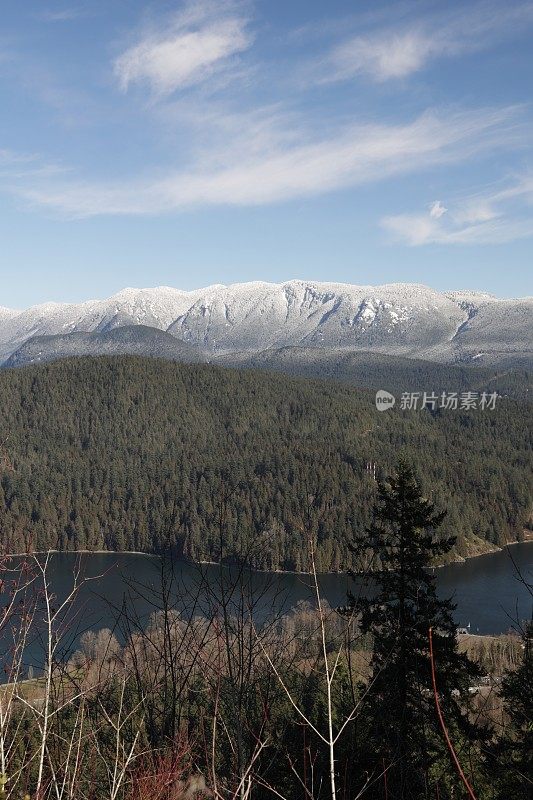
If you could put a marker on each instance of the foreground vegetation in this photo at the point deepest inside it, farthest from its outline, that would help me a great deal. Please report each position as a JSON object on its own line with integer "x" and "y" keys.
{"x": 111, "y": 453}
{"x": 217, "y": 695}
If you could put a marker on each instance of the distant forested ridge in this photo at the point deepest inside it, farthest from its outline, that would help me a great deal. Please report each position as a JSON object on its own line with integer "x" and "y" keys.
{"x": 125, "y": 453}
{"x": 394, "y": 373}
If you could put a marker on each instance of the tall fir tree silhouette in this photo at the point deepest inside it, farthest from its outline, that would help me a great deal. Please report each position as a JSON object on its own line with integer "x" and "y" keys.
{"x": 401, "y": 746}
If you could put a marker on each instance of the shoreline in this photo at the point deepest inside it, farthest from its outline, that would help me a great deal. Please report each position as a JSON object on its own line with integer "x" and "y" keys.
{"x": 458, "y": 560}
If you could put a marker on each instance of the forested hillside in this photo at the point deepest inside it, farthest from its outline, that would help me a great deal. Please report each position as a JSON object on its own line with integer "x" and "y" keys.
{"x": 122, "y": 453}
{"x": 394, "y": 373}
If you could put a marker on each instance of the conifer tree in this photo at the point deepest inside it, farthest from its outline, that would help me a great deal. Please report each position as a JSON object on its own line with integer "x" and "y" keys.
{"x": 402, "y": 750}
{"x": 515, "y": 753}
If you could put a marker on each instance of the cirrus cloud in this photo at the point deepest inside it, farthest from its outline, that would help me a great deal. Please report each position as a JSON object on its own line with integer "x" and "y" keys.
{"x": 391, "y": 53}
{"x": 481, "y": 219}
{"x": 190, "y": 47}
{"x": 239, "y": 174}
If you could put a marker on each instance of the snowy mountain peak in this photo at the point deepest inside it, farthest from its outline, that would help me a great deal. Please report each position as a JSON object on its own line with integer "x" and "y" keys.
{"x": 471, "y": 297}
{"x": 6, "y": 313}
{"x": 408, "y": 319}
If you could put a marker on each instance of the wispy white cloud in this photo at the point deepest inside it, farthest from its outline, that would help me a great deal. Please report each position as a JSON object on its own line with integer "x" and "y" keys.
{"x": 262, "y": 155}
{"x": 383, "y": 56}
{"x": 387, "y": 53}
{"x": 10, "y": 157}
{"x": 62, "y": 15}
{"x": 25, "y": 167}
{"x": 187, "y": 48}
{"x": 436, "y": 210}
{"x": 240, "y": 174}
{"x": 490, "y": 218}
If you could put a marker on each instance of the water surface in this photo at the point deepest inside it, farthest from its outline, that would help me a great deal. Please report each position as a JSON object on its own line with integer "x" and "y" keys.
{"x": 488, "y": 592}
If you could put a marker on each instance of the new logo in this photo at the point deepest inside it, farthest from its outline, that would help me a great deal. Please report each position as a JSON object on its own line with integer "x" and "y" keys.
{"x": 384, "y": 400}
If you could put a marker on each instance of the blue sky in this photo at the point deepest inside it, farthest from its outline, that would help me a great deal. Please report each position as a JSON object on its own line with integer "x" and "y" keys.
{"x": 186, "y": 144}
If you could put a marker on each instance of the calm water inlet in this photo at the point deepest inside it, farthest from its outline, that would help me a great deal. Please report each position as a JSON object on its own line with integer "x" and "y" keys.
{"x": 487, "y": 590}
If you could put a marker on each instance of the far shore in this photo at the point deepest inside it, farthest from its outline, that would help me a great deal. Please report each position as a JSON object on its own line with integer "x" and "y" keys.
{"x": 457, "y": 560}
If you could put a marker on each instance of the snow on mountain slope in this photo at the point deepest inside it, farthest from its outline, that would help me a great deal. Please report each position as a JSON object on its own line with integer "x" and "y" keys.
{"x": 154, "y": 307}
{"x": 472, "y": 298}
{"x": 407, "y": 319}
{"x": 6, "y": 315}
{"x": 495, "y": 332}
{"x": 255, "y": 316}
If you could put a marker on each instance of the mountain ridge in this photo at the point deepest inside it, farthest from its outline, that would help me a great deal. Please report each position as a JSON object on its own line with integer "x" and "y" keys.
{"x": 412, "y": 320}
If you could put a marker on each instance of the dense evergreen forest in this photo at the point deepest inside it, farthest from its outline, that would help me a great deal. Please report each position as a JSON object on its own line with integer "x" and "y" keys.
{"x": 394, "y": 373}
{"x": 128, "y": 453}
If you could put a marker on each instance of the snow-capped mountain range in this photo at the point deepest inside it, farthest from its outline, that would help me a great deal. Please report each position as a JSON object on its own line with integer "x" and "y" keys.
{"x": 249, "y": 318}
